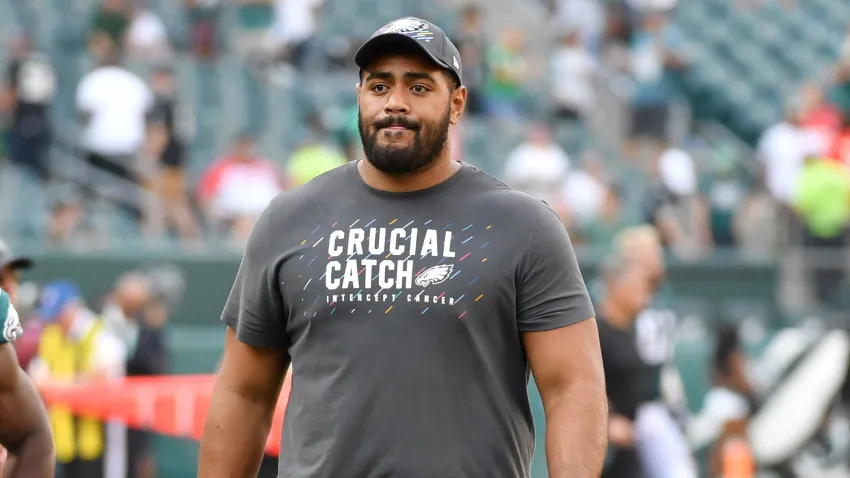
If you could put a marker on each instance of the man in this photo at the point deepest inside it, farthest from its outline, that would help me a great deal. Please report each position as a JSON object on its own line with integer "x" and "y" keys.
{"x": 411, "y": 297}
{"x": 627, "y": 376}
{"x": 114, "y": 103}
{"x": 663, "y": 445}
{"x": 77, "y": 346}
{"x": 30, "y": 86}
{"x": 24, "y": 428}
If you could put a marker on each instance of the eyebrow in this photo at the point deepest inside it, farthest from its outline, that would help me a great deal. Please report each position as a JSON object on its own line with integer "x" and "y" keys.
{"x": 408, "y": 75}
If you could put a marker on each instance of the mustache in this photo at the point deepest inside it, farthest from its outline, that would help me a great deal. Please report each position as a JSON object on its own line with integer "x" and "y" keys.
{"x": 402, "y": 121}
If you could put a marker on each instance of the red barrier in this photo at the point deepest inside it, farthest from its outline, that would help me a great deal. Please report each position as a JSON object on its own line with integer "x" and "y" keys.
{"x": 175, "y": 405}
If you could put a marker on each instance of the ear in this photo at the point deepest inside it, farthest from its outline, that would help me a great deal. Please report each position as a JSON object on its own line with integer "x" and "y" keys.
{"x": 458, "y": 104}
{"x": 358, "y": 86}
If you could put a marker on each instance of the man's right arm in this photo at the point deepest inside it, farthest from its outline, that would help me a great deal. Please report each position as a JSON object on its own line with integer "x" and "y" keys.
{"x": 241, "y": 411}
{"x": 252, "y": 370}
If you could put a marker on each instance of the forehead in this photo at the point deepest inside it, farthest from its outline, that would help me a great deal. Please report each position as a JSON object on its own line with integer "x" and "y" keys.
{"x": 400, "y": 63}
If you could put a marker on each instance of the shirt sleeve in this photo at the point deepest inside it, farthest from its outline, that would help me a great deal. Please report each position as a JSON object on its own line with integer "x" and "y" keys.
{"x": 11, "y": 325}
{"x": 254, "y": 308}
{"x": 550, "y": 290}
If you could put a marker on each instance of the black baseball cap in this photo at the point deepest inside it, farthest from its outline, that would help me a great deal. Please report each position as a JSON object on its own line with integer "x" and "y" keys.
{"x": 412, "y": 31}
{"x": 9, "y": 259}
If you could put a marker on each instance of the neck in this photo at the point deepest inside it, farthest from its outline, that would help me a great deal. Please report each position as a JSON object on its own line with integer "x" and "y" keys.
{"x": 616, "y": 315}
{"x": 443, "y": 169}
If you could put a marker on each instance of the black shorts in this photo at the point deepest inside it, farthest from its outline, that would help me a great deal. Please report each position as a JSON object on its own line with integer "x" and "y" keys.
{"x": 649, "y": 122}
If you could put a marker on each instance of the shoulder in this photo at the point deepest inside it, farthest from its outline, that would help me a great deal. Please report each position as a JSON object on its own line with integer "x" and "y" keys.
{"x": 11, "y": 322}
{"x": 524, "y": 212}
{"x": 502, "y": 195}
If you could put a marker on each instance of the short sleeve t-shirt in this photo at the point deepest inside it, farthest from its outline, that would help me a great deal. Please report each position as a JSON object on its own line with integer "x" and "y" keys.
{"x": 402, "y": 314}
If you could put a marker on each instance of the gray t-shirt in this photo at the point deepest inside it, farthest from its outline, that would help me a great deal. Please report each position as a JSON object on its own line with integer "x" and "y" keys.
{"x": 402, "y": 314}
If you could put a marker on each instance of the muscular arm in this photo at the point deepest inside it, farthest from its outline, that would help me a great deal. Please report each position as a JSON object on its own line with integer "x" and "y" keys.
{"x": 24, "y": 427}
{"x": 567, "y": 367}
{"x": 254, "y": 364}
{"x": 243, "y": 405}
{"x": 562, "y": 345}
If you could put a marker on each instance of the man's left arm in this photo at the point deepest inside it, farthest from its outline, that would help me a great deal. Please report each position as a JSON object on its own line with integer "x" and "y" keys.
{"x": 561, "y": 340}
{"x": 24, "y": 427}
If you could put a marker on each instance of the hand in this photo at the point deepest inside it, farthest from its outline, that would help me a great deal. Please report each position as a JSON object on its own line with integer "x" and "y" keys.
{"x": 620, "y": 431}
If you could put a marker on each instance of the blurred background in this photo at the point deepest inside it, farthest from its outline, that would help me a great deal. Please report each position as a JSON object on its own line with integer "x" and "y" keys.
{"x": 140, "y": 140}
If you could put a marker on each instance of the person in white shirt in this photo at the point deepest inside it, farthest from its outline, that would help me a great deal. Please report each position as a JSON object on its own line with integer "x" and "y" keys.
{"x": 783, "y": 149}
{"x": 147, "y": 36}
{"x": 572, "y": 69}
{"x": 538, "y": 166}
{"x": 114, "y": 103}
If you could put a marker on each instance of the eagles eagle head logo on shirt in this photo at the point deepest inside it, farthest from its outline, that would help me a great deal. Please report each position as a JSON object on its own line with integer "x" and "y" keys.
{"x": 434, "y": 275}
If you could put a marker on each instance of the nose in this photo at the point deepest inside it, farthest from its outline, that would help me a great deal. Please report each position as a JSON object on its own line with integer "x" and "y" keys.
{"x": 397, "y": 102}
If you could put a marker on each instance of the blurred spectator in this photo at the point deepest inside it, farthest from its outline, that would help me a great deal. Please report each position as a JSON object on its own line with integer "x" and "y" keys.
{"x": 234, "y": 190}
{"x": 725, "y": 191}
{"x": 66, "y": 223}
{"x": 127, "y": 311}
{"x": 108, "y": 26}
{"x": 572, "y": 70}
{"x": 727, "y": 405}
{"x": 147, "y": 36}
{"x": 507, "y": 71}
{"x": 657, "y": 50}
{"x": 822, "y": 200}
{"x": 295, "y": 23}
{"x": 584, "y": 198}
{"x": 252, "y": 39}
{"x": 114, "y": 102}
{"x": 312, "y": 159}
{"x": 203, "y": 18}
{"x": 77, "y": 347}
{"x": 538, "y": 166}
{"x": 782, "y": 149}
{"x": 11, "y": 266}
{"x": 819, "y": 116}
{"x": 28, "y": 91}
{"x": 167, "y": 143}
{"x": 586, "y": 18}
{"x": 471, "y": 42}
{"x": 628, "y": 379}
{"x": 677, "y": 208}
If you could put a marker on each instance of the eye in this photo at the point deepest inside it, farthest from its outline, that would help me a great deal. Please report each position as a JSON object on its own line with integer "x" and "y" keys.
{"x": 419, "y": 88}
{"x": 379, "y": 88}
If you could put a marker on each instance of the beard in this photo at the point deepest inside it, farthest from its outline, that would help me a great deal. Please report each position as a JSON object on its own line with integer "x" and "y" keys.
{"x": 421, "y": 154}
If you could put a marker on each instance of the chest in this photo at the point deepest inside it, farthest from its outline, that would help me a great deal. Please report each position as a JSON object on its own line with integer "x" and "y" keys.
{"x": 398, "y": 277}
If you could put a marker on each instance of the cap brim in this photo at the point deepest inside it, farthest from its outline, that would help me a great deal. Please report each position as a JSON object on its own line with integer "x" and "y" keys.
{"x": 20, "y": 263}
{"x": 384, "y": 43}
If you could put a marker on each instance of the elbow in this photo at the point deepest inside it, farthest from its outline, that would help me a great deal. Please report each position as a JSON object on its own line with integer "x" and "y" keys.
{"x": 35, "y": 450}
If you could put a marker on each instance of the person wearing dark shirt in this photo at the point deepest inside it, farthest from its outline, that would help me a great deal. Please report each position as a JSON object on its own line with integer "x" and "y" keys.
{"x": 628, "y": 378}
{"x": 167, "y": 145}
{"x": 419, "y": 365}
{"x": 30, "y": 85}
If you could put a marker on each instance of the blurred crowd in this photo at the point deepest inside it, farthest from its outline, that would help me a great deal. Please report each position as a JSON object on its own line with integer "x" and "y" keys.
{"x": 69, "y": 341}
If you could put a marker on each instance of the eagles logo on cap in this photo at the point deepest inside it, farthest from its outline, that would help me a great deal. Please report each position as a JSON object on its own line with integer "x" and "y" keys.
{"x": 410, "y": 27}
